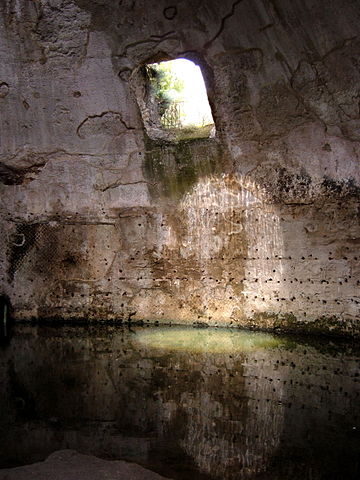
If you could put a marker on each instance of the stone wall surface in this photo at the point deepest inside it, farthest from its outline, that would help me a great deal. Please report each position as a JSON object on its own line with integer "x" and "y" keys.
{"x": 258, "y": 226}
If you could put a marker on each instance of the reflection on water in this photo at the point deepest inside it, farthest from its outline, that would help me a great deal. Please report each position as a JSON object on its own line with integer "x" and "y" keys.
{"x": 189, "y": 403}
{"x": 207, "y": 340}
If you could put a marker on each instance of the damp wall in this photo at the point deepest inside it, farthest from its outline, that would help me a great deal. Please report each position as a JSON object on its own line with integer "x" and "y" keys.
{"x": 257, "y": 227}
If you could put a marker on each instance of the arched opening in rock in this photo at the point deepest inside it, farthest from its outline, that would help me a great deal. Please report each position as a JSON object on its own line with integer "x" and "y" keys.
{"x": 174, "y": 103}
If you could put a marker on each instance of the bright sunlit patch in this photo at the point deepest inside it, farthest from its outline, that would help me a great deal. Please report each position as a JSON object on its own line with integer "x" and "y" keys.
{"x": 186, "y": 91}
{"x": 206, "y": 340}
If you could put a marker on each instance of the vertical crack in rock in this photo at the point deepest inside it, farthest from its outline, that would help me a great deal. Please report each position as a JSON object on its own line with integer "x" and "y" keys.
{"x": 222, "y": 24}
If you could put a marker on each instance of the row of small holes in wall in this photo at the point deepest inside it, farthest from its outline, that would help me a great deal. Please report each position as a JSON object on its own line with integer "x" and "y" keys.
{"x": 279, "y": 257}
{"x": 236, "y": 281}
{"x": 255, "y": 280}
{"x": 256, "y": 297}
{"x": 276, "y": 257}
{"x": 245, "y": 258}
{"x": 226, "y": 280}
{"x": 338, "y": 301}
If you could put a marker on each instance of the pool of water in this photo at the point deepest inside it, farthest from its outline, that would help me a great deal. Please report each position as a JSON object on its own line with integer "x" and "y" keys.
{"x": 188, "y": 403}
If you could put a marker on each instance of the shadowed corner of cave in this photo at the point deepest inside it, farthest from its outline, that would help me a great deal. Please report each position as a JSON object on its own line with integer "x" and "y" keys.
{"x": 179, "y": 248}
{"x": 6, "y": 327}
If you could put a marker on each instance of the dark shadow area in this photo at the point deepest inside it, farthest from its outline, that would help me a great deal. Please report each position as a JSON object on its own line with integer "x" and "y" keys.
{"x": 6, "y": 324}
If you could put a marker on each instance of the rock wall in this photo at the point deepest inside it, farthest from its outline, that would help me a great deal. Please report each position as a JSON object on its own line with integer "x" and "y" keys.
{"x": 258, "y": 226}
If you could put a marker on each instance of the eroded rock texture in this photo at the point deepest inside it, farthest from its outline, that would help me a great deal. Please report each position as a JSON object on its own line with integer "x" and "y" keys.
{"x": 258, "y": 226}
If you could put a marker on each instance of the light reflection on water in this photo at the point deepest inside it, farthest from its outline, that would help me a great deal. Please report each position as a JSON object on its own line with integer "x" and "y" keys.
{"x": 188, "y": 403}
{"x": 207, "y": 340}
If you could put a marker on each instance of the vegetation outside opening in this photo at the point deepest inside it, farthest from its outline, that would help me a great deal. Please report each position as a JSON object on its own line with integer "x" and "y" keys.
{"x": 178, "y": 89}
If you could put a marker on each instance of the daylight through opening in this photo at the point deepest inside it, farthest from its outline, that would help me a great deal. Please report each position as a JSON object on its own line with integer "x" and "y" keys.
{"x": 179, "y": 92}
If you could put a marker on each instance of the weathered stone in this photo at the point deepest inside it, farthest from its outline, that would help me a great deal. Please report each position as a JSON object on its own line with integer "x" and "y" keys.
{"x": 252, "y": 228}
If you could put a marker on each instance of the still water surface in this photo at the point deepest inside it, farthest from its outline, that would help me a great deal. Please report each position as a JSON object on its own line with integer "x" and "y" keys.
{"x": 188, "y": 403}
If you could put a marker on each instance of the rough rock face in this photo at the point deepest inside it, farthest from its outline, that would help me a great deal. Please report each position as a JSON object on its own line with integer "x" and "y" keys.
{"x": 256, "y": 227}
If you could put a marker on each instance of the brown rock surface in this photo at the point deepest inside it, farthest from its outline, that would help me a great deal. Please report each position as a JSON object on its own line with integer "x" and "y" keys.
{"x": 258, "y": 226}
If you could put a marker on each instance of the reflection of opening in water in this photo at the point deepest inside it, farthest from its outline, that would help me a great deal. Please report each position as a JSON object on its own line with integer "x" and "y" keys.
{"x": 207, "y": 340}
{"x": 199, "y": 404}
